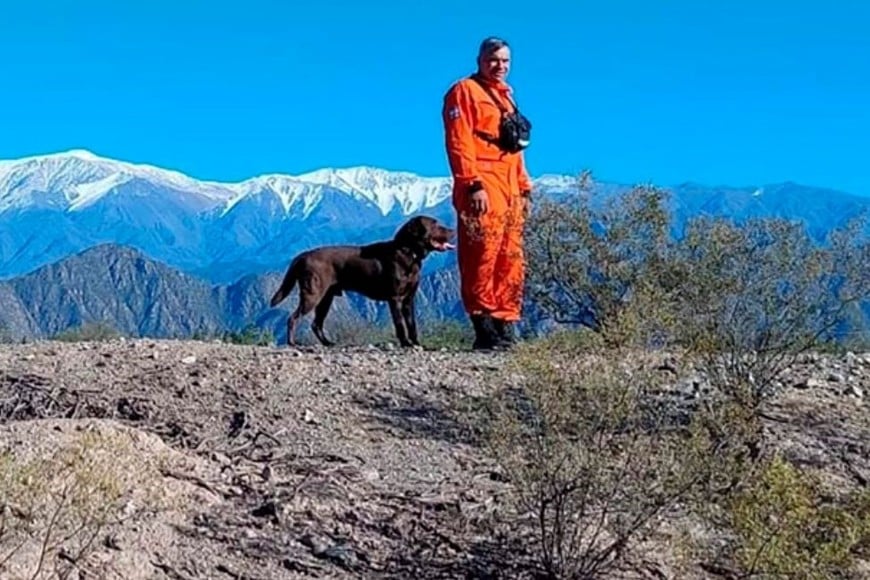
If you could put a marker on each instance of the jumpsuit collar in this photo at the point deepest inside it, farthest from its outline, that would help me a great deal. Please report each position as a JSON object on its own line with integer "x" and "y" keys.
{"x": 500, "y": 86}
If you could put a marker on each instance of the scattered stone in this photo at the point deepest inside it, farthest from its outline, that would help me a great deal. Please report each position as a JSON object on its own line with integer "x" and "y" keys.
{"x": 342, "y": 554}
{"x": 317, "y": 545}
{"x": 268, "y": 509}
{"x": 111, "y": 541}
{"x": 370, "y": 475}
{"x": 810, "y": 383}
{"x": 189, "y": 360}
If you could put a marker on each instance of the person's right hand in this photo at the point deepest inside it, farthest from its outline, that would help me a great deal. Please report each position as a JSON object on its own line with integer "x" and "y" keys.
{"x": 479, "y": 202}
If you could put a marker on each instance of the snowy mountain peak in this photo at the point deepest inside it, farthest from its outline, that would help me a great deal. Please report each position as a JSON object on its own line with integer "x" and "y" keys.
{"x": 48, "y": 181}
{"x": 75, "y": 179}
{"x": 82, "y": 154}
{"x": 288, "y": 190}
{"x": 386, "y": 189}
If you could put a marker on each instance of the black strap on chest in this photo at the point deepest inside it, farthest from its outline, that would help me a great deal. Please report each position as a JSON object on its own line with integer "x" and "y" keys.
{"x": 514, "y": 128}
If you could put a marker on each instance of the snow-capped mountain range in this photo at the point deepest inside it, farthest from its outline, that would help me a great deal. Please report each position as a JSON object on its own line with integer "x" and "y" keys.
{"x": 56, "y": 205}
{"x": 75, "y": 180}
{"x": 52, "y": 206}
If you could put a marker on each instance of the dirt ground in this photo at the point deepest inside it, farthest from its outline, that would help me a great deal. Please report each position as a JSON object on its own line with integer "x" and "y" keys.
{"x": 325, "y": 463}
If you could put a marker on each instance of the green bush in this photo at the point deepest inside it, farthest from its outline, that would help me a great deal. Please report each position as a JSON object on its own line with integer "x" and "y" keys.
{"x": 602, "y": 266}
{"x": 447, "y": 334}
{"x": 786, "y": 527}
{"x": 753, "y": 297}
{"x": 746, "y": 299}
{"x": 89, "y": 332}
{"x": 251, "y": 335}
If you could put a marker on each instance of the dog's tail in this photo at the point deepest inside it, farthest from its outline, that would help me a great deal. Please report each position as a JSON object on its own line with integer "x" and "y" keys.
{"x": 287, "y": 284}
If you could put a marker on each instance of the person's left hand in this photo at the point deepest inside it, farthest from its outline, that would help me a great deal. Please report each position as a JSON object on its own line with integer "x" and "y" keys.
{"x": 527, "y": 205}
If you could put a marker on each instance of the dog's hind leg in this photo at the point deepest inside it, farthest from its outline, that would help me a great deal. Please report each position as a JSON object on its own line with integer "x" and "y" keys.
{"x": 310, "y": 293}
{"x": 320, "y": 312}
{"x": 291, "y": 325}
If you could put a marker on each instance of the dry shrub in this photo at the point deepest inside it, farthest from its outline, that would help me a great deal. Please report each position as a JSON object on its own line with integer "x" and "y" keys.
{"x": 89, "y": 332}
{"x": 753, "y": 297}
{"x": 55, "y": 506}
{"x": 747, "y": 298}
{"x": 595, "y": 446}
{"x": 743, "y": 301}
{"x": 602, "y": 264}
{"x": 599, "y": 452}
{"x": 6, "y": 336}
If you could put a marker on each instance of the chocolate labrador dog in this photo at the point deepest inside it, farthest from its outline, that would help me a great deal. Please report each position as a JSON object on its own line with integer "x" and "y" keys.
{"x": 384, "y": 271}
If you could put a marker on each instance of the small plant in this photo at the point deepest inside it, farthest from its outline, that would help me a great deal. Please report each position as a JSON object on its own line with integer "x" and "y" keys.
{"x": 88, "y": 332}
{"x": 5, "y": 334}
{"x": 250, "y": 335}
{"x": 448, "y": 334}
{"x": 785, "y": 526}
{"x": 596, "y": 458}
{"x": 348, "y": 330}
{"x": 53, "y": 508}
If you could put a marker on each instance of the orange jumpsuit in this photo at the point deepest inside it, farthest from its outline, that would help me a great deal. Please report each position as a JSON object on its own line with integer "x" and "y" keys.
{"x": 490, "y": 246}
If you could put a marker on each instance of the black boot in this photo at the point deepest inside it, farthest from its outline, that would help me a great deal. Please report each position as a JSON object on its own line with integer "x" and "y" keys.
{"x": 505, "y": 332}
{"x": 486, "y": 336}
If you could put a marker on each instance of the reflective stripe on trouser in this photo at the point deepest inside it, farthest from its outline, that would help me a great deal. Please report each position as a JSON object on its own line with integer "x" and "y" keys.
{"x": 490, "y": 247}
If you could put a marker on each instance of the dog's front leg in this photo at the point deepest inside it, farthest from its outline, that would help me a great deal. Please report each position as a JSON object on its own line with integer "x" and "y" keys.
{"x": 399, "y": 322}
{"x": 410, "y": 316}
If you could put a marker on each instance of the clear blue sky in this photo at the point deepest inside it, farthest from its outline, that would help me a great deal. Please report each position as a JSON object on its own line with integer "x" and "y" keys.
{"x": 735, "y": 92}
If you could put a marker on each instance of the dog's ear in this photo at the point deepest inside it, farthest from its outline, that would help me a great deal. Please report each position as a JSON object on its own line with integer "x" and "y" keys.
{"x": 413, "y": 232}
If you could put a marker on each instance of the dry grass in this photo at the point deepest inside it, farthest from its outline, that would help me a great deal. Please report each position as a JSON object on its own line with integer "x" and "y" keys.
{"x": 58, "y": 500}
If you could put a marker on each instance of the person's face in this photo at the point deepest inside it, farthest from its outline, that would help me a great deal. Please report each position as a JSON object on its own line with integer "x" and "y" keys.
{"x": 496, "y": 65}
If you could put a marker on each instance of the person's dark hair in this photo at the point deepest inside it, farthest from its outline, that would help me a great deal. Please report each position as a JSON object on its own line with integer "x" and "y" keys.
{"x": 490, "y": 45}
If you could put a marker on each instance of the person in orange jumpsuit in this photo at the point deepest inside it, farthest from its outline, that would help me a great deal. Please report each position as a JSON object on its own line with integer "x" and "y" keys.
{"x": 485, "y": 135}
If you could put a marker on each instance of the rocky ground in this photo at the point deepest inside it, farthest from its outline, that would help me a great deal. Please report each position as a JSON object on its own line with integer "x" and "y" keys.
{"x": 259, "y": 462}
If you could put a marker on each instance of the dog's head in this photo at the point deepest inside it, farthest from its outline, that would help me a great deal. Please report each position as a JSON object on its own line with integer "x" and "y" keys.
{"x": 424, "y": 234}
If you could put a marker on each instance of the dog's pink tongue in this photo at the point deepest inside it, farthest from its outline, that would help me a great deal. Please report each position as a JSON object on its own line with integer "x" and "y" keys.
{"x": 448, "y": 246}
